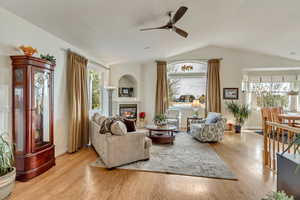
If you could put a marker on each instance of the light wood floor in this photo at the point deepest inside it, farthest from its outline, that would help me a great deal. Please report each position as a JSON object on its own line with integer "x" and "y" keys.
{"x": 72, "y": 178}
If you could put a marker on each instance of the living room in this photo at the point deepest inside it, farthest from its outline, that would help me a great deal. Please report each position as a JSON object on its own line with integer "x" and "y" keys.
{"x": 149, "y": 114}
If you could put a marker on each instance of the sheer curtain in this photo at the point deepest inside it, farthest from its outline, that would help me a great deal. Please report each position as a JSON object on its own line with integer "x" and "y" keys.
{"x": 272, "y": 90}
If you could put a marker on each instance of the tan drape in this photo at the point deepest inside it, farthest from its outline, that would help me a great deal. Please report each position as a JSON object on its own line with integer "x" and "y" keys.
{"x": 213, "y": 86}
{"x": 161, "y": 100}
{"x": 78, "y": 102}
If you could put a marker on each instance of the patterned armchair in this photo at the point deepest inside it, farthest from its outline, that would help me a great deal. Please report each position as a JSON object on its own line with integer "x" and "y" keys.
{"x": 209, "y": 132}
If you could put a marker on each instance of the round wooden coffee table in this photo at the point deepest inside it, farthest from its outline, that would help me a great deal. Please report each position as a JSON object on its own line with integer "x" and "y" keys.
{"x": 163, "y": 135}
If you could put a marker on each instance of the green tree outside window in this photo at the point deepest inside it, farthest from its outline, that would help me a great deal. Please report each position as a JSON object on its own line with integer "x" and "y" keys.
{"x": 95, "y": 89}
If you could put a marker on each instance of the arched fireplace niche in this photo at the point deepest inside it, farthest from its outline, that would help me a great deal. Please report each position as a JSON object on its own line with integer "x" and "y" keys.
{"x": 128, "y": 106}
{"x": 127, "y": 86}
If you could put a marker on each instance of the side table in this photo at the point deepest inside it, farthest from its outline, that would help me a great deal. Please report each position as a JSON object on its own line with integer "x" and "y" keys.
{"x": 190, "y": 120}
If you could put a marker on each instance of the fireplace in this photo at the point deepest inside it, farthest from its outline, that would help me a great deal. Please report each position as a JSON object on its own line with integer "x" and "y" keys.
{"x": 128, "y": 110}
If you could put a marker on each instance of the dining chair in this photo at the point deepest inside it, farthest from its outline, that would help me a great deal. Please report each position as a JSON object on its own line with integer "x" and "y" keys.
{"x": 265, "y": 115}
{"x": 275, "y": 112}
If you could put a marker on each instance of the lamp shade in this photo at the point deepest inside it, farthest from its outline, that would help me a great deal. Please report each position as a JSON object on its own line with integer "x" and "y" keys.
{"x": 196, "y": 104}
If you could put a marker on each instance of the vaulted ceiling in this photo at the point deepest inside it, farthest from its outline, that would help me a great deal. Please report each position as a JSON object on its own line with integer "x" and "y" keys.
{"x": 109, "y": 29}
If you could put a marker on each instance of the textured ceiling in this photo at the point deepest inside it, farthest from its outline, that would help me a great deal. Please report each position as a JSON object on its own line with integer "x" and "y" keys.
{"x": 109, "y": 30}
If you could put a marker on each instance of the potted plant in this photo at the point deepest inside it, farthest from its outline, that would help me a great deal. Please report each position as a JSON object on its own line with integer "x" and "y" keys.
{"x": 281, "y": 195}
{"x": 160, "y": 120}
{"x": 48, "y": 57}
{"x": 230, "y": 126}
{"x": 7, "y": 171}
{"x": 142, "y": 116}
{"x": 240, "y": 113}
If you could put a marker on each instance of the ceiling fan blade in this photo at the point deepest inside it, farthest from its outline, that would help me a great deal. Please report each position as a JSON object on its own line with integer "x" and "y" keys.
{"x": 179, "y": 13}
{"x": 148, "y": 29}
{"x": 180, "y": 32}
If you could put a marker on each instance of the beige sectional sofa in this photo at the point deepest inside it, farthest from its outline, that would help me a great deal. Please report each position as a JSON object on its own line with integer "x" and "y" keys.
{"x": 117, "y": 150}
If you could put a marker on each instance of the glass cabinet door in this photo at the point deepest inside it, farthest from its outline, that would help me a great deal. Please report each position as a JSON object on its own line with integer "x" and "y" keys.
{"x": 19, "y": 111}
{"x": 41, "y": 108}
{"x": 19, "y": 119}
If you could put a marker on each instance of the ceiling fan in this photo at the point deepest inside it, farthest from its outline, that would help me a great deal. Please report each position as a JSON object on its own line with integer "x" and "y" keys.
{"x": 171, "y": 24}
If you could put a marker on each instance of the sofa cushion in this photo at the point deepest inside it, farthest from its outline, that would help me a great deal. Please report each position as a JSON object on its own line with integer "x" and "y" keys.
{"x": 148, "y": 143}
{"x": 96, "y": 117}
{"x": 140, "y": 131}
{"x": 212, "y": 118}
{"x": 130, "y": 125}
{"x": 118, "y": 128}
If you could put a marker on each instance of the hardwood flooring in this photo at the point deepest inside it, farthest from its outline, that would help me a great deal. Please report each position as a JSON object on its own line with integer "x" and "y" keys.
{"x": 72, "y": 178}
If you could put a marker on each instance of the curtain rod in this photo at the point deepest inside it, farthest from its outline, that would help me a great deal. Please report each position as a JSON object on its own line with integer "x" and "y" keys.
{"x": 89, "y": 60}
{"x": 187, "y": 60}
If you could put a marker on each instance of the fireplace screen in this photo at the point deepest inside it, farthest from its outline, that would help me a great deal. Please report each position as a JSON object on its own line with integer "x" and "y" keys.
{"x": 128, "y": 110}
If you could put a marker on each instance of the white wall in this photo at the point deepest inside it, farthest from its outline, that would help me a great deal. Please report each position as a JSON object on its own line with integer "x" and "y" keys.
{"x": 133, "y": 69}
{"x": 15, "y": 32}
{"x": 149, "y": 71}
{"x": 232, "y": 66}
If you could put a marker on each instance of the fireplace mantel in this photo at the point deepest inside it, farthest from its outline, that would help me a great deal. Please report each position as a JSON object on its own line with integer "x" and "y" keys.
{"x": 126, "y": 100}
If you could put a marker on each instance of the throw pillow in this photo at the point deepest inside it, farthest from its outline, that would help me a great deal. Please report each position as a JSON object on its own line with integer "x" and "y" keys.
{"x": 212, "y": 118}
{"x": 118, "y": 128}
{"x": 106, "y": 124}
{"x": 130, "y": 125}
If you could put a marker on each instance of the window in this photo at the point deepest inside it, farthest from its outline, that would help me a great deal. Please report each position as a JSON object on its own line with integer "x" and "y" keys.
{"x": 187, "y": 82}
{"x": 272, "y": 91}
{"x": 95, "y": 90}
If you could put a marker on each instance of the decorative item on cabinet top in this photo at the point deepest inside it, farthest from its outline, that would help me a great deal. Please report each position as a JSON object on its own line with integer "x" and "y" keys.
{"x": 28, "y": 50}
{"x": 48, "y": 57}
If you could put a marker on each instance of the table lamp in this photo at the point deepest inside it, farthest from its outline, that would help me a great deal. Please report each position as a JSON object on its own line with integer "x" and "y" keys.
{"x": 196, "y": 105}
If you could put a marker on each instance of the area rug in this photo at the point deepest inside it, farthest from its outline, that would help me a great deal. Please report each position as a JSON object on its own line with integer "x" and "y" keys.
{"x": 186, "y": 157}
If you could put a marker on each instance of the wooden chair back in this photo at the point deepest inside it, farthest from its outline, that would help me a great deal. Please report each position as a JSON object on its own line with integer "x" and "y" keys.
{"x": 271, "y": 114}
{"x": 275, "y": 112}
{"x": 265, "y": 115}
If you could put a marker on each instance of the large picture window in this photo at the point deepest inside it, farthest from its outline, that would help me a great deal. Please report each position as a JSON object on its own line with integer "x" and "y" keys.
{"x": 272, "y": 91}
{"x": 95, "y": 90}
{"x": 187, "y": 82}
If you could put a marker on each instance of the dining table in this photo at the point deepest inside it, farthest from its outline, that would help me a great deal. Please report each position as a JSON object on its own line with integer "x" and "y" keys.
{"x": 291, "y": 118}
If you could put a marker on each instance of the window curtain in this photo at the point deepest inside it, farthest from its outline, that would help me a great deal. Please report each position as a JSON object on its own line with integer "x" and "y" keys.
{"x": 78, "y": 102}
{"x": 162, "y": 96}
{"x": 213, "y": 86}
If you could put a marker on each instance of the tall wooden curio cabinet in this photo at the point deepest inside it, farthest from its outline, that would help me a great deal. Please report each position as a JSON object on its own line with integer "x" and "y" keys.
{"x": 32, "y": 109}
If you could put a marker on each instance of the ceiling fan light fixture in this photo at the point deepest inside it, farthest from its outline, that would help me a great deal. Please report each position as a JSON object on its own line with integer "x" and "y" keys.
{"x": 171, "y": 24}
